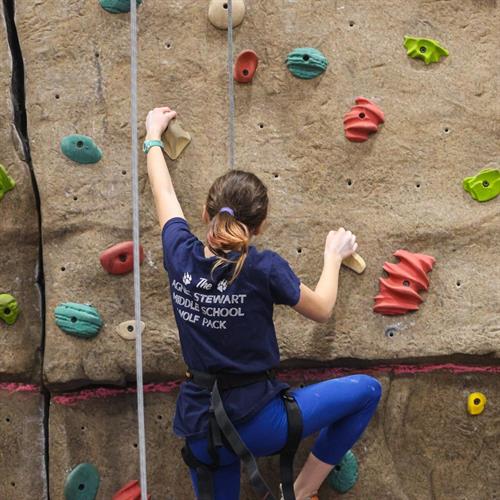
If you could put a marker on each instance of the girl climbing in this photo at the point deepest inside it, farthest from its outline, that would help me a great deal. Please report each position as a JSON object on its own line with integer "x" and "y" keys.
{"x": 231, "y": 407}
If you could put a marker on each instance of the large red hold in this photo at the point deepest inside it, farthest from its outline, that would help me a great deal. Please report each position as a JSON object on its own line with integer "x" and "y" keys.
{"x": 245, "y": 66}
{"x": 131, "y": 491}
{"x": 399, "y": 291}
{"x": 119, "y": 259}
{"x": 363, "y": 119}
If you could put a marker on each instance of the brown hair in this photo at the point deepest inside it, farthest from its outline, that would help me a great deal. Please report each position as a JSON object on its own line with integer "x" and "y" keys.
{"x": 246, "y": 195}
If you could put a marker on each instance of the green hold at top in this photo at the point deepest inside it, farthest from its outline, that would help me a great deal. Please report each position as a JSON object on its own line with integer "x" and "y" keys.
{"x": 345, "y": 474}
{"x": 306, "y": 63}
{"x": 424, "y": 48}
{"x": 82, "y": 483}
{"x": 484, "y": 186}
{"x": 117, "y": 6}
{"x": 6, "y": 182}
{"x": 80, "y": 148}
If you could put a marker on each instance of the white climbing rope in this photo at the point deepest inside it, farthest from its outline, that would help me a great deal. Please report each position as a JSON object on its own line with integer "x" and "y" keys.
{"x": 230, "y": 83}
{"x": 137, "y": 268}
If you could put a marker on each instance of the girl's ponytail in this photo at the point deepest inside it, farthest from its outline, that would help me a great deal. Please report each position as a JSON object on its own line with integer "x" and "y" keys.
{"x": 226, "y": 234}
{"x": 237, "y": 205}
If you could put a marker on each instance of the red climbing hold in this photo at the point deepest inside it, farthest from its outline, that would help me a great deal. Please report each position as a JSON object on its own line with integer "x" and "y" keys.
{"x": 245, "y": 66}
{"x": 131, "y": 491}
{"x": 399, "y": 292}
{"x": 363, "y": 119}
{"x": 119, "y": 259}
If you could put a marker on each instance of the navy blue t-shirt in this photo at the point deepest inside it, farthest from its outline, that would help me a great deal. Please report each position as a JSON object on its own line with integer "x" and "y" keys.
{"x": 224, "y": 327}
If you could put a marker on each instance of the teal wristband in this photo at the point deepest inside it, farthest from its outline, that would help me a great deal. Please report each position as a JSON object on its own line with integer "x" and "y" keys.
{"x": 149, "y": 144}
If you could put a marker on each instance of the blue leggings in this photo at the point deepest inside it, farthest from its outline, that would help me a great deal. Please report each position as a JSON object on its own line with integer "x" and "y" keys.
{"x": 339, "y": 408}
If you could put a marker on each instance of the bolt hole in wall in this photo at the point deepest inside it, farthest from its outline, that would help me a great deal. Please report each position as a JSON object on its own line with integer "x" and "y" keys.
{"x": 97, "y": 54}
{"x": 261, "y": 125}
{"x": 7, "y": 419}
{"x": 159, "y": 417}
{"x": 224, "y": 5}
{"x": 57, "y": 96}
{"x": 446, "y": 130}
{"x": 276, "y": 176}
{"x": 12, "y": 483}
{"x": 135, "y": 445}
{"x": 299, "y": 250}
{"x": 351, "y": 23}
{"x": 390, "y": 331}
{"x": 75, "y": 198}
{"x": 459, "y": 283}
{"x": 168, "y": 45}
{"x": 349, "y": 182}
{"x": 63, "y": 268}
{"x": 418, "y": 184}
{"x": 124, "y": 172}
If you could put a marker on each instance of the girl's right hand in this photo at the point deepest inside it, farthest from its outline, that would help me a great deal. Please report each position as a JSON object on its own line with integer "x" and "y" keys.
{"x": 340, "y": 243}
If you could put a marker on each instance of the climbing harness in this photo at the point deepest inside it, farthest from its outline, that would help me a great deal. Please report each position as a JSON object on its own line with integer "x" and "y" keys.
{"x": 137, "y": 271}
{"x": 221, "y": 432}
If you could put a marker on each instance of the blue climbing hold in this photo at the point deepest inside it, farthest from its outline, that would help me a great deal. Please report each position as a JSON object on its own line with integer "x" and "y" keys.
{"x": 344, "y": 475}
{"x": 117, "y": 6}
{"x": 80, "y": 148}
{"x": 306, "y": 63}
{"x": 82, "y": 483}
{"x": 76, "y": 319}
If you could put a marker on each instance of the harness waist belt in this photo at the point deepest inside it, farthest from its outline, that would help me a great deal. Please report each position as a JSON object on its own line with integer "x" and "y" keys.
{"x": 227, "y": 380}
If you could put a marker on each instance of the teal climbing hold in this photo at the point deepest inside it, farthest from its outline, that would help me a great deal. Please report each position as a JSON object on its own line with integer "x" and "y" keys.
{"x": 344, "y": 475}
{"x": 9, "y": 309}
{"x": 424, "y": 48}
{"x": 76, "y": 319}
{"x": 306, "y": 63}
{"x": 82, "y": 483}
{"x": 80, "y": 148}
{"x": 117, "y": 6}
{"x": 485, "y": 185}
{"x": 6, "y": 182}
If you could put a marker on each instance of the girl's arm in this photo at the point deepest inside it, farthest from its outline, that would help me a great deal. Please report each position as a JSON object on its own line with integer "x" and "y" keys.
{"x": 318, "y": 304}
{"x": 167, "y": 205}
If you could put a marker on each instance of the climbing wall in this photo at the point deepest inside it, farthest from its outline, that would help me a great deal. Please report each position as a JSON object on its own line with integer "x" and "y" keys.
{"x": 399, "y": 189}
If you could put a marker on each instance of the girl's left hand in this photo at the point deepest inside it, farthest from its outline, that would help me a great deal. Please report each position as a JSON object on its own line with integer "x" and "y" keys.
{"x": 157, "y": 121}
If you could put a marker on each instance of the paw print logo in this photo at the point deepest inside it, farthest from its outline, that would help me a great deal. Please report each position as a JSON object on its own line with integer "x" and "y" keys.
{"x": 222, "y": 285}
{"x": 186, "y": 279}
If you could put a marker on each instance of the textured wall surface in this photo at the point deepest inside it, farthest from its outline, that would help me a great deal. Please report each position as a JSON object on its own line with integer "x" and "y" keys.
{"x": 400, "y": 189}
{"x": 19, "y": 238}
{"x": 22, "y": 446}
{"x": 440, "y": 127}
{"x": 421, "y": 443}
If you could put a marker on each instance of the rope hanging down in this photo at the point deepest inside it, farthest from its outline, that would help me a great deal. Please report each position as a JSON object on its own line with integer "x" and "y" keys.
{"x": 137, "y": 269}
{"x": 230, "y": 83}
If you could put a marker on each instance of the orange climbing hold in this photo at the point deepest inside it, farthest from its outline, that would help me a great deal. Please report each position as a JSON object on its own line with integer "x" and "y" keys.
{"x": 131, "y": 491}
{"x": 119, "y": 259}
{"x": 245, "y": 66}
{"x": 399, "y": 292}
{"x": 363, "y": 119}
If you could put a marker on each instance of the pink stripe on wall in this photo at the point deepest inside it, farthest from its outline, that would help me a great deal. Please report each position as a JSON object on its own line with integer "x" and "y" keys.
{"x": 289, "y": 375}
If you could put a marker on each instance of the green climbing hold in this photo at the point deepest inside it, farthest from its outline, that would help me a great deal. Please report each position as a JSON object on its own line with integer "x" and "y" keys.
{"x": 117, "y": 6}
{"x": 9, "y": 310}
{"x": 81, "y": 320}
{"x": 344, "y": 475}
{"x": 82, "y": 483}
{"x": 306, "y": 63}
{"x": 424, "y": 48}
{"x": 485, "y": 185}
{"x": 6, "y": 182}
{"x": 81, "y": 149}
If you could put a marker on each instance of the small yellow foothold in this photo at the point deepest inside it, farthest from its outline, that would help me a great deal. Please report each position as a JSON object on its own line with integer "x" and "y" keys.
{"x": 476, "y": 403}
{"x": 355, "y": 262}
{"x": 126, "y": 330}
{"x": 176, "y": 139}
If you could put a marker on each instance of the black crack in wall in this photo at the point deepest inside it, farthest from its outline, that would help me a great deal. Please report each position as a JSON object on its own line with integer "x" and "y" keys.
{"x": 18, "y": 97}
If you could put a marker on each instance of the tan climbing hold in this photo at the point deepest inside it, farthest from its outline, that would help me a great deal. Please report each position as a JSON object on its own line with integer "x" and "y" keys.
{"x": 176, "y": 139}
{"x": 217, "y": 13}
{"x": 355, "y": 262}
{"x": 126, "y": 330}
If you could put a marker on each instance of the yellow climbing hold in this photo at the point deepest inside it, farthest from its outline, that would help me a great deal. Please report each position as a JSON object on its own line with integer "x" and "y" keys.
{"x": 355, "y": 262}
{"x": 476, "y": 403}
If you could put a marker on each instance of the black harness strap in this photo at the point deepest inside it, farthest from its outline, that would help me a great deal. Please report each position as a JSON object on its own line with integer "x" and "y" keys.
{"x": 239, "y": 447}
{"x": 287, "y": 454}
{"x": 203, "y": 471}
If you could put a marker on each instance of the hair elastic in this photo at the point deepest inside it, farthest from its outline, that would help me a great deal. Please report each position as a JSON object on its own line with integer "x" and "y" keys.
{"x": 228, "y": 210}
